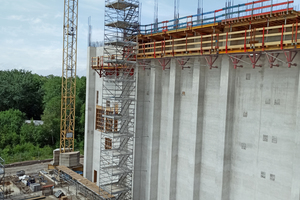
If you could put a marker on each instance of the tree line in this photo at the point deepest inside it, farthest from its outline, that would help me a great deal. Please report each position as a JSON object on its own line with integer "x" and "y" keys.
{"x": 28, "y": 96}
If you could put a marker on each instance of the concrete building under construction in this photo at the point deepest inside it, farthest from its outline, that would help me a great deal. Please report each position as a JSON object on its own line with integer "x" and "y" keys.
{"x": 199, "y": 107}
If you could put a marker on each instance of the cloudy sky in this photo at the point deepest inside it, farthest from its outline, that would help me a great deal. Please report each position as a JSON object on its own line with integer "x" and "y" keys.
{"x": 31, "y": 30}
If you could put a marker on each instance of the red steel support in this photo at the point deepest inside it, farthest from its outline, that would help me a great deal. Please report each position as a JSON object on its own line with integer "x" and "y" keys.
{"x": 154, "y": 51}
{"x": 235, "y": 60}
{"x": 173, "y": 47}
{"x": 296, "y": 33}
{"x": 281, "y": 41}
{"x": 272, "y": 58}
{"x": 290, "y": 57}
{"x": 165, "y": 26}
{"x": 201, "y": 51}
{"x": 163, "y": 48}
{"x": 217, "y": 42}
{"x": 186, "y": 44}
{"x": 263, "y": 39}
{"x": 293, "y": 33}
{"x": 189, "y": 24}
{"x": 144, "y": 63}
{"x": 254, "y": 60}
{"x": 182, "y": 62}
{"x": 210, "y": 61}
{"x": 211, "y": 43}
{"x": 226, "y": 47}
{"x": 245, "y": 45}
{"x": 164, "y": 62}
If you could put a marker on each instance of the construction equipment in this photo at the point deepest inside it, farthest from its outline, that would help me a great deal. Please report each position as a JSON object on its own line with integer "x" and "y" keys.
{"x": 69, "y": 64}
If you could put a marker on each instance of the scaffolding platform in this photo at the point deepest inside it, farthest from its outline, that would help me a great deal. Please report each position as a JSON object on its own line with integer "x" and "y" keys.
{"x": 119, "y": 24}
{"x": 113, "y": 116}
{"x": 119, "y": 98}
{"x": 121, "y": 43}
{"x": 117, "y": 152}
{"x": 85, "y": 182}
{"x": 116, "y": 188}
{"x": 118, "y": 61}
{"x": 117, "y": 134}
{"x": 281, "y": 34}
{"x": 120, "y": 5}
{"x": 116, "y": 170}
{"x": 110, "y": 80}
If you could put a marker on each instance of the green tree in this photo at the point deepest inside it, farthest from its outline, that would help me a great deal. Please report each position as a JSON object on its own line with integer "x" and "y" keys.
{"x": 80, "y": 108}
{"x": 22, "y": 90}
{"x": 10, "y": 122}
{"x": 51, "y": 115}
{"x": 33, "y": 134}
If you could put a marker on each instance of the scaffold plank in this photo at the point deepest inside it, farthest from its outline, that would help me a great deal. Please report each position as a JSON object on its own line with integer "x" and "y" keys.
{"x": 80, "y": 179}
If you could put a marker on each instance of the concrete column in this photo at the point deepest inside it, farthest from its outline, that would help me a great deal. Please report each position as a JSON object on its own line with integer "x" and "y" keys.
{"x": 173, "y": 130}
{"x": 90, "y": 109}
{"x": 295, "y": 190}
{"x": 154, "y": 131}
{"x": 226, "y": 108}
{"x": 198, "y": 89}
{"x": 139, "y": 119}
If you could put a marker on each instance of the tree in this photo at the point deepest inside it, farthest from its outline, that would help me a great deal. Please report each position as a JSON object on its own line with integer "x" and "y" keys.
{"x": 51, "y": 115}
{"x": 10, "y": 123}
{"x": 80, "y": 108}
{"x": 21, "y": 90}
{"x": 32, "y": 133}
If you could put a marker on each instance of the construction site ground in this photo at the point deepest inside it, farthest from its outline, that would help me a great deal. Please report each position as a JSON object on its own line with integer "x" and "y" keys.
{"x": 16, "y": 190}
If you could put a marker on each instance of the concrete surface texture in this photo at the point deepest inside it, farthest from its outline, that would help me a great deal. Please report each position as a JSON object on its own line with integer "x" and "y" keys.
{"x": 92, "y": 136}
{"x": 211, "y": 134}
{"x": 69, "y": 159}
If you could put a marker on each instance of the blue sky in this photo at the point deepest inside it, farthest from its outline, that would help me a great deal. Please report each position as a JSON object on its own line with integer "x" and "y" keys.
{"x": 31, "y": 30}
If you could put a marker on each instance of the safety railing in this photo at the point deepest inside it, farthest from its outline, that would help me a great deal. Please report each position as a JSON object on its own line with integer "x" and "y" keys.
{"x": 261, "y": 39}
{"x": 251, "y": 9}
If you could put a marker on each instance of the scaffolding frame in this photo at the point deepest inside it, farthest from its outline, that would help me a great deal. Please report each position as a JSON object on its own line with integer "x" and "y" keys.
{"x": 118, "y": 76}
{"x": 2, "y": 178}
{"x": 83, "y": 189}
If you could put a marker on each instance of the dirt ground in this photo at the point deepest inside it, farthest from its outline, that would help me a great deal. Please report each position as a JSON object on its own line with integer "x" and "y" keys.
{"x": 29, "y": 169}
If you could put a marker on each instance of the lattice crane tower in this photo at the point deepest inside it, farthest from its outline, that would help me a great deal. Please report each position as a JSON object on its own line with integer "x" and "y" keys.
{"x": 68, "y": 91}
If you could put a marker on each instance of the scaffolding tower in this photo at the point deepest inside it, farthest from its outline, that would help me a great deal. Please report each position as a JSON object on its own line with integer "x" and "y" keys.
{"x": 118, "y": 97}
{"x": 2, "y": 178}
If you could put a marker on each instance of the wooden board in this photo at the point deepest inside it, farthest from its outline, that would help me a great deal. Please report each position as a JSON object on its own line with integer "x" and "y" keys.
{"x": 80, "y": 179}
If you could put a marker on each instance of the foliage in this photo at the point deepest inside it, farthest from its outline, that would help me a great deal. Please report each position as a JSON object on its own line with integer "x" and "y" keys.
{"x": 29, "y": 96}
{"x": 22, "y": 90}
{"x": 10, "y": 122}
{"x": 25, "y": 151}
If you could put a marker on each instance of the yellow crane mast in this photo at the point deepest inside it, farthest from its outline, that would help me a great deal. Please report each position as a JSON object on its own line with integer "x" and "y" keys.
{"x": 69, "y": 65}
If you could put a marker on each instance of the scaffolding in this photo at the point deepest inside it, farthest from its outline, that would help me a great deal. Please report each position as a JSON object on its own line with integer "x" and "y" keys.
{"x": 82, "y": 185}
{"x": 117, "y": 113}
{"x": 2, "y": 178}
{"x": 237, "y": 31}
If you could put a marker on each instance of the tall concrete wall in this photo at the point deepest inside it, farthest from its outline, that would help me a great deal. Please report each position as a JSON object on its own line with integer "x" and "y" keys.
{"x": 220, "y": 133}
{"x": 92, "y": 136}
{"x": 209, "y": 134}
